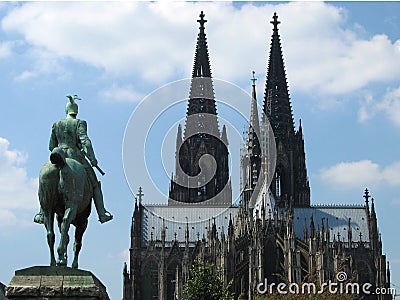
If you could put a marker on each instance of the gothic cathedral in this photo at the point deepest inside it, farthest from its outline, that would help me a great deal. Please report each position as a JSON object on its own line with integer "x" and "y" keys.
{"x": 282, "y": 238}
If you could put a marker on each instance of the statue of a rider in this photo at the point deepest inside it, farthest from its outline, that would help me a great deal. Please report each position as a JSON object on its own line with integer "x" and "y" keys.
{"x": 70, "y": 134}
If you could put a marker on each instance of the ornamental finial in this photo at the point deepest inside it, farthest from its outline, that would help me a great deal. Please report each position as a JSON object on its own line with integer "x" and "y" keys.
{"x": 366, "y": 196}
{"x": 140, "y": 194}
{"x": 275, "y": 21}
{"x": 202, "y": 20}
{"x": 254, "y": 78}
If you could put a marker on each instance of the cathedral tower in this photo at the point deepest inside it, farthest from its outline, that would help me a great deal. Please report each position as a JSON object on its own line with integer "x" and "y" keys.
{"x": 290, "y": 184}
{"x": 200, "y": 177}
{"x": 251, "y": 159}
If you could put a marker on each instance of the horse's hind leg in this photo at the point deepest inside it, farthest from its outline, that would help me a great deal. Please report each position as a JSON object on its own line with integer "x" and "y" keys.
{"x": 79, "y": 231}
{"x": 49, "y": 224}
{"x": 69, "y": 216}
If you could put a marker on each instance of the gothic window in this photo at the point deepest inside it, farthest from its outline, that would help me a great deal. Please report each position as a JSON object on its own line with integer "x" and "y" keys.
{"x": 149, "y": 282}
{"x": 254, "y": 175}
{"x": 194, "y": 108}
{"x": 270, "y": 257}
{"x": 172, "y": 268}
{"x": 304, "y": 267}
{"x": 278, "y": 186}
{"x": 363, "y": 271}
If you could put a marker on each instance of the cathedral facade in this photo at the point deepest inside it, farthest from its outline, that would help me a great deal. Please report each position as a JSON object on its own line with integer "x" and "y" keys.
{"x": 273, "y": 234}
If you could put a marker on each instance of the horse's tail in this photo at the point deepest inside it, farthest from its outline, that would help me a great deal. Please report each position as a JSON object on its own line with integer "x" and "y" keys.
{"x": 57, "y": 158}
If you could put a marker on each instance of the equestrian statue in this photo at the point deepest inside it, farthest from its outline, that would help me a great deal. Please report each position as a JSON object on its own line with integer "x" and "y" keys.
{"x": 68, "y": 183}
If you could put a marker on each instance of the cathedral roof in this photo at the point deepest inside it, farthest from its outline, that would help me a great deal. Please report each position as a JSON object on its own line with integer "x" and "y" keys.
{"x": 198, "y": 217}
{"x": 2, "y": 291}
{"x": 337, "y": 217}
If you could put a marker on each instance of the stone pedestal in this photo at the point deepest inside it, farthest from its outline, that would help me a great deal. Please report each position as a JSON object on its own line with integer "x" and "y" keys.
{"x": 55, "y": 283}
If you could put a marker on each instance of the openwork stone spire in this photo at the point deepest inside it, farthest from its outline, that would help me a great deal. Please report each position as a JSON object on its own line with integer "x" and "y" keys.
{"x": 253, "y": 140}
{"x": 277, "y": 106}
{"x": 201, "y": 66}
{"x": 290, "y": 185}
{"x": 201, "y": 113}
{"x": 201, "y": 139}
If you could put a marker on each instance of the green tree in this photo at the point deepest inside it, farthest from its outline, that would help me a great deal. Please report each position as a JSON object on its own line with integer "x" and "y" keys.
{"x": 205, "y": 284}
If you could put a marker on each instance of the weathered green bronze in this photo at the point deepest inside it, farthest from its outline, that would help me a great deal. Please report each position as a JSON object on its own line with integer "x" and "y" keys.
{"x": 67, "y": 183}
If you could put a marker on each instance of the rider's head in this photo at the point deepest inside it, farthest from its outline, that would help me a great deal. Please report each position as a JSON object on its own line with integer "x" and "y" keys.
{"x": 71, "y": 109}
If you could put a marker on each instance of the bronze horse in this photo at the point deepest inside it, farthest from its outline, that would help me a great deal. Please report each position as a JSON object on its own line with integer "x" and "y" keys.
{"x": 64, "y": 190}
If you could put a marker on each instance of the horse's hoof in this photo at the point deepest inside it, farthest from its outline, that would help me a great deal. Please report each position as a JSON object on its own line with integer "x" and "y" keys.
{"x": 103, "y": 218}
{"x": 39, "y": 218}
{"x": 62, "y": 263}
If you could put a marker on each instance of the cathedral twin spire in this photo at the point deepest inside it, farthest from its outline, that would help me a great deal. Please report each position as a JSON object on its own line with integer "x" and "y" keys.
{"x": 289, "y": 185}
{"x": 201, "y": 66}
{"x": 201, "y": 137}
{"x": 277, "y": 106}
{"x": 201, "y": 111}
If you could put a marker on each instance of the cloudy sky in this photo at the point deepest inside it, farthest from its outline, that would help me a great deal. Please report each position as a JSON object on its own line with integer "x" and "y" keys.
{"x": 343, "y": 69}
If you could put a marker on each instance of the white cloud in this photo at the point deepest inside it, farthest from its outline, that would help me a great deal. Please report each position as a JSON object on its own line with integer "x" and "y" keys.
{"x": 7, "y": 218}
{"x": 365, "y": 113}
{"x": 391, "y": 174}
{"x": 17, "y": 190}
{"x": 44, "y": 62}
{"x": 361, "y": 173}
{"x": 121, "y": 94}
{"x": 148, "y": 41}
{"x": 5, "y": 49}
{"x": 117, "y": 37}
{"x": 352, "y": 174}
{"x": 125, "y": 255}
{"x": 389, "y": 105}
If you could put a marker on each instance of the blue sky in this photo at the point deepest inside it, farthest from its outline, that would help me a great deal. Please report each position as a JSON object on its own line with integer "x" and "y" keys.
{"x": 343, "y": 68}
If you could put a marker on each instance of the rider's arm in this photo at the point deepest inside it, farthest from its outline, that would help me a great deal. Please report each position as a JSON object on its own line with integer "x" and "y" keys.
{"x": 53, "y": 139}
{"x": 85, "y": 142}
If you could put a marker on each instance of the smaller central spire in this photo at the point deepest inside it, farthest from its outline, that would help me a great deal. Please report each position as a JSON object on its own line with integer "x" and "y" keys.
{"x": 254, "y": 79}
{"x": 140, "y": 194}
{"x": 254, "y": 123}
{"x": 252, "y": 162}
{"x": 275, "y": 22}
{"x": 202, "y": 21}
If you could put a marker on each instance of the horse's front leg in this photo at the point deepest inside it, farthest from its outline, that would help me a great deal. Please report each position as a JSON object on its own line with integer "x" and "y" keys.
{"x": 49, "y": 224}
{"x": 69, "y": 216}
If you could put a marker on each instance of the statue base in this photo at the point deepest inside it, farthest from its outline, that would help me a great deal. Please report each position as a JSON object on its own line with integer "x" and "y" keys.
{"x": 55, "y": 283}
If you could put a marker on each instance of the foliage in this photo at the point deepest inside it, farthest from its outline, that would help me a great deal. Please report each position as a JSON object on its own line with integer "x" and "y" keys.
{"x": 205, "y": 284}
